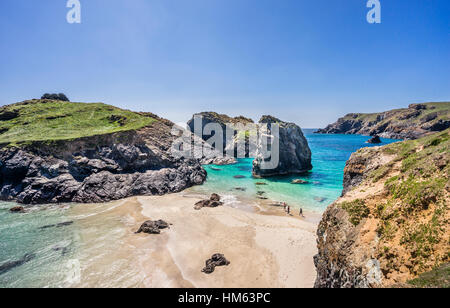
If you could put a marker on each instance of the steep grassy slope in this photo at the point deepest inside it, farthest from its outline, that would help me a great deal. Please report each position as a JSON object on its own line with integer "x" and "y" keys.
{"x": 47, "y": 120}
{"x": 393, "y": 221}
{"x": 408, "y": 123}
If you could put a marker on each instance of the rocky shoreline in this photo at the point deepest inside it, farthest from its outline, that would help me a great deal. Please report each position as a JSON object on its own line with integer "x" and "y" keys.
{"x": 416, "y": 121}
{"x": 97, "y": 169}
{"x": 391, "y": 223}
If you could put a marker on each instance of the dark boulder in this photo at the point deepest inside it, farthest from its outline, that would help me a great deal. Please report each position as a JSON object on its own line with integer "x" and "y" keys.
{"x": 57, "y": 97}
{"x": 153, "y": 227}
{"x": 216, "y": 260}
{"x": 17, "y": 209}
{"x": 212, "y": 202}
{"x": 374, "y": 140}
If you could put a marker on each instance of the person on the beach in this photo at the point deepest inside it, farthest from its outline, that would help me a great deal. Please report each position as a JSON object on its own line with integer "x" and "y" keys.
{"x": 301, "y": 212}
{"x": 288, "y": 209}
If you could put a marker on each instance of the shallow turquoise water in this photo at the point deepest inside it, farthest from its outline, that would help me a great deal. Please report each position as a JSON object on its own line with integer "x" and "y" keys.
{"x": 97, "y": 230}
{"x": 330, "y": 153}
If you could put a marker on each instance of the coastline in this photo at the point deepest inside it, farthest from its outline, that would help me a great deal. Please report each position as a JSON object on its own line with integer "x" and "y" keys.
{"x": 266, "y": 247}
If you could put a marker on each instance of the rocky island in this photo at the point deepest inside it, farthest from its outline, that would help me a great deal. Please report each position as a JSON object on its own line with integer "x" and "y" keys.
{"x": 416, "y": 121}
{"x": 391, "y": 223}
{"x": 57, "y": 151}
{"x": 294, "y": 151}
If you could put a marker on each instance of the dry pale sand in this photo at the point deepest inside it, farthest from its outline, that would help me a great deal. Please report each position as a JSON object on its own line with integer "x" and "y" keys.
{"x": 266, "y": 247}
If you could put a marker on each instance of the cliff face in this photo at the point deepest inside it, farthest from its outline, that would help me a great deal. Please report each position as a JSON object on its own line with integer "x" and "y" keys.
{"x": 417, "y": 121}
{"x": 392, "y": 222}
{"x": 128, "y": 158}
{"x": 294, "y": 151}
{"x": 223, "y": 120}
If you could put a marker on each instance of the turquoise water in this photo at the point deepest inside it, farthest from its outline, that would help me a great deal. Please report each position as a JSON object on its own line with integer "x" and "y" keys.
{"x": 325, "y": 181}
{"x": 97, "y": 231}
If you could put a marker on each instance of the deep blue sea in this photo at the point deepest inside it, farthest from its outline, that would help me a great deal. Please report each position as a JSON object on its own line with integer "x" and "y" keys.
{"x": 97, "y": 230}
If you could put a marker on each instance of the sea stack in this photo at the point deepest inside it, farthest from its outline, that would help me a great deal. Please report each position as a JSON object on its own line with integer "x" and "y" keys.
{"x": 294, "y": 151}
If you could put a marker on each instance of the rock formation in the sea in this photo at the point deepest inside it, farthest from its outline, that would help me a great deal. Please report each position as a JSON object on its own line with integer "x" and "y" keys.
{"x": 56, "y": 151}
{"x": 213, "y": 201}
{"x": 391, "y": 224}
{"x": 374, "y": 140}
{"x": 5, "y": 267}
{"x": 153, "y": 227}
{"x": 17, "y": 209}
{"x": 294, "y": 155}
{"x": 216, "y": 260}
{"x": 235, "y": 124}
{"x": 417, "y": 121}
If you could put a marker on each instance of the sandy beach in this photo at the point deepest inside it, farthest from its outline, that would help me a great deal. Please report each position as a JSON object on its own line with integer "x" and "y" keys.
{"x": 266, "y": 247}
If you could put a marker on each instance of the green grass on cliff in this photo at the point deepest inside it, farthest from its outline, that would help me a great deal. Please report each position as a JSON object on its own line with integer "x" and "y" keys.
{"x": 49, "y": 120}
{"x": 423, "y": 182}
{"x": 437, "y": 278}
{"x": 441, "y": 109}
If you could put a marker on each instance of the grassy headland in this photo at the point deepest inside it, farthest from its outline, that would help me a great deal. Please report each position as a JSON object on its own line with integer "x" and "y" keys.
{"x": 51, "y": 120}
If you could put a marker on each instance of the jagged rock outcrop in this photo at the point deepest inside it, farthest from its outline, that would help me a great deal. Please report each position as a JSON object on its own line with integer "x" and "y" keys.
{"x": 97, "y": 168}
{"x": 294, "y": 152}
{"x": 391, "y": 224}
{"x": 417, "y": 121}
{"x": 230, "y": 145}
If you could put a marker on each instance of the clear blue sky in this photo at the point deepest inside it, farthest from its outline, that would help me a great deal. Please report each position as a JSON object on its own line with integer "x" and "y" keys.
{"x": 303, "y": 61}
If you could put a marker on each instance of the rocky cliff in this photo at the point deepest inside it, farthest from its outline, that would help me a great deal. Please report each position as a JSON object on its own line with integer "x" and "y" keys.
{"x": 55, "y": 151}
{"x": 236, "y": 124}
{"x": 392, "y": 222}
{"x": 294, "y": 152}
{"x": 417, "y": 121}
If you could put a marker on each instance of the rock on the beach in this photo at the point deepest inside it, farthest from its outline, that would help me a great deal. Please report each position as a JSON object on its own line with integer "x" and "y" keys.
{"x": 153, "y": 227}
{"x": 17, "y": 209}
{"x": 213, "y": 201}
{"x": 294, "y": 151}
{"x": 216, "y": 260}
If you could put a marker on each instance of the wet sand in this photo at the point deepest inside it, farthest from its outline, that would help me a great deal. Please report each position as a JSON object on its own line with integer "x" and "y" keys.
{"x": 266, "y": 247}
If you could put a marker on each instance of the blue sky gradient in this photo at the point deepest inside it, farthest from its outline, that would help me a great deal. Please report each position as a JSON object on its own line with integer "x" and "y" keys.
{"x": 304, "y": 61}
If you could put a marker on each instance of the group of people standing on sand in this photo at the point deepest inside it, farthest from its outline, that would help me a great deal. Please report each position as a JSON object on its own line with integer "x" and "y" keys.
{"x": 287, "y": 209}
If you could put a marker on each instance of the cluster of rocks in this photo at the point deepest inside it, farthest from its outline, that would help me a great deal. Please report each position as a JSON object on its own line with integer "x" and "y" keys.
{"x": 294, "y": 152}
{"x": 216, "y": 260}
{"x": 229, "y": 143}
{"x": 213, "y": 201}
{"x": 416, "y": 121}
{"x": 97, "y": 169}
{"x": 57, "y": 97}
{"x": 153, "y": 227}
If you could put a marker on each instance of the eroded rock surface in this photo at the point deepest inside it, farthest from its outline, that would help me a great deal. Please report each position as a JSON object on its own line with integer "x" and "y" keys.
{"x": 416, "y": 121}
{"x": 97, "y": 169}
{"x": 294, "y": 152}
{"x": 153, "y": 227}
